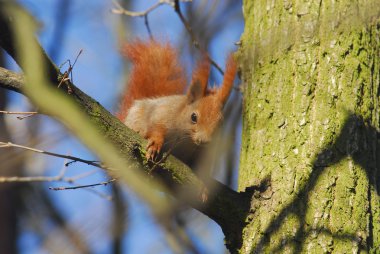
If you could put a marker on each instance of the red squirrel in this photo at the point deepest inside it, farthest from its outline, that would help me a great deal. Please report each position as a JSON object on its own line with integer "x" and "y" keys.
{"x": 155, "y": 105}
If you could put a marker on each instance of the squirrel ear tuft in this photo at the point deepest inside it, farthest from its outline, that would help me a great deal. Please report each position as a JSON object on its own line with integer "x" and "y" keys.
{"x": 198, "y": 87}
{"x": 228, "y": 81}
{"x": 195, "y": 92}
{"x": 202, "y": 72}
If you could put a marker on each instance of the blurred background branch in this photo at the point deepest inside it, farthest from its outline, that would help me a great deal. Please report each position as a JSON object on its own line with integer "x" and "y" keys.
{"x": 64, "y": 19}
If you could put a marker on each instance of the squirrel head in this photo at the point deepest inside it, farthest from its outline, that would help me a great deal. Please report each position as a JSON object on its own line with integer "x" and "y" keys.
{"x": 204, "y": 106}
{"x": 203, "y": 113}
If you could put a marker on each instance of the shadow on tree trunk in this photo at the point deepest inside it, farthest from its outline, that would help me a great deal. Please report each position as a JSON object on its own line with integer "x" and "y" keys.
{"x": 357, "y": 140}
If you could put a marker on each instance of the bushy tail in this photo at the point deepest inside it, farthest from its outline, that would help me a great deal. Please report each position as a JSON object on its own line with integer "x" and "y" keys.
{"x": 156, "y": 72}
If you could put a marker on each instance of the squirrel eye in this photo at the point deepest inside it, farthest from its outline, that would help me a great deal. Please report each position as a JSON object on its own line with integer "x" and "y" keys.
{"x": 194, "y": 118}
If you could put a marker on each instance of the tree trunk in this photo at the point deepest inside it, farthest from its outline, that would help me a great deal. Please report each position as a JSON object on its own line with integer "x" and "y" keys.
{"x": 311, "y": 130}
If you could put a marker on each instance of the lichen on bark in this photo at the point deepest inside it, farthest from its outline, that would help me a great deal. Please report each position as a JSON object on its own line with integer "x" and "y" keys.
{"x": 311, "y": 125}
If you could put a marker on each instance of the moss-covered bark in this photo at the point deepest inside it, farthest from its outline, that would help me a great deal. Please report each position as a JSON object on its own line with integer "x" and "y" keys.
{"x": 311, "y": 126}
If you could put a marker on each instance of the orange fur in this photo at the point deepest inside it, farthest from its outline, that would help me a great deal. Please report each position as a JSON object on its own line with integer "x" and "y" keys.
{"x": 228, "y": 80}
{"x": 155, "y": 106}
{"x": 156, "y": 72}
{"x": 201, "y": 73}
{"x": 156, "y": 137}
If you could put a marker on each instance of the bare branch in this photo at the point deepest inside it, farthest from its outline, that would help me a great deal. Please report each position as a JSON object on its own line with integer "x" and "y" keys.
{"x": 121, "y": 10}
{"x": 175, "y": 4}
{"x": 146, "y": 22}
{"x": 82, "y": 186}
{"x": 66, "y": 74}
{"x": 175, "y": 173}
{"x": 72, "y": 158}
{"x": 26, "y": 114}
{"x": 195, "y": 42}
{"x": 10, "y": 80}
{"x": 225, "y": 206}
{"x": 61, "y": 178}
{"x": 18, "y": 112}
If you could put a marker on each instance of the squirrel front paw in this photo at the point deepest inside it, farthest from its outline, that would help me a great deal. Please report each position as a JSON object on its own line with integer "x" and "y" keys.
{"x": 153, "y": 149}
{"x": 155, "y": 142}
{"x": 204, "y": 195}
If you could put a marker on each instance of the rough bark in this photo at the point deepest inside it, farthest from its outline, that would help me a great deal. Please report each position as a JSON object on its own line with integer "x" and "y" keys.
{"x": 311, "y": 126}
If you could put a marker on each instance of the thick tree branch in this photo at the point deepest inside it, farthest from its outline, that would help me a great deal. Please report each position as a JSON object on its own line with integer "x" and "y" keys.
{"x": 44, "y": 94}
{"x": 10, "y": 80}
{"x": 225, "y": 206}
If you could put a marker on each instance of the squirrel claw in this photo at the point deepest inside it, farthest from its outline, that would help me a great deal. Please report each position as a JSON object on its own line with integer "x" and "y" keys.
{"x": 153, "y": 149}
{"x": 204, "y": 194}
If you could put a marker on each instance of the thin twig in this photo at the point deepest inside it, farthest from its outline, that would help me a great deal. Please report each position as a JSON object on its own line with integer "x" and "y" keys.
{"x": 23, "y": 117}
{"x": 66, "y": 74}
{"x": 175, "y": 4}
{"x": 18, "y": 112}
{"x": 26, "y": 113}
{"x": 88, "y": 162}
{"x": 82, "y": 186}
{"x": 10, "y": 179}
{"x": 74, "y": 161}
{"x": 195, "y": 42}
{"x": 122, "y": 10}
{"x": 59, "y": 178}
{"x": 146, "y": 22}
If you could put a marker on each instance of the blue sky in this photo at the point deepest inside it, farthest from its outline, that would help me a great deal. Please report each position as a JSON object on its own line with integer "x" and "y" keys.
{"x": 99, "y": 72}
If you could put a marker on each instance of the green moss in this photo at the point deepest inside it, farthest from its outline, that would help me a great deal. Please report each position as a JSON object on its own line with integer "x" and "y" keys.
{"x": 310, "y": 84}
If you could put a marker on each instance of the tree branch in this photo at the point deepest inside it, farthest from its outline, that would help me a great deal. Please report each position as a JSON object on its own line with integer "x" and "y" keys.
{"x": 72, "y": 158}
{"x": 195, "y": 42}
{"x": 175, "y": 4}
{"x": 219, "y": 206}
{"x": 10, "y": 80}
{"x": 225, "y": 206}
{"x": 104, "y": 183}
